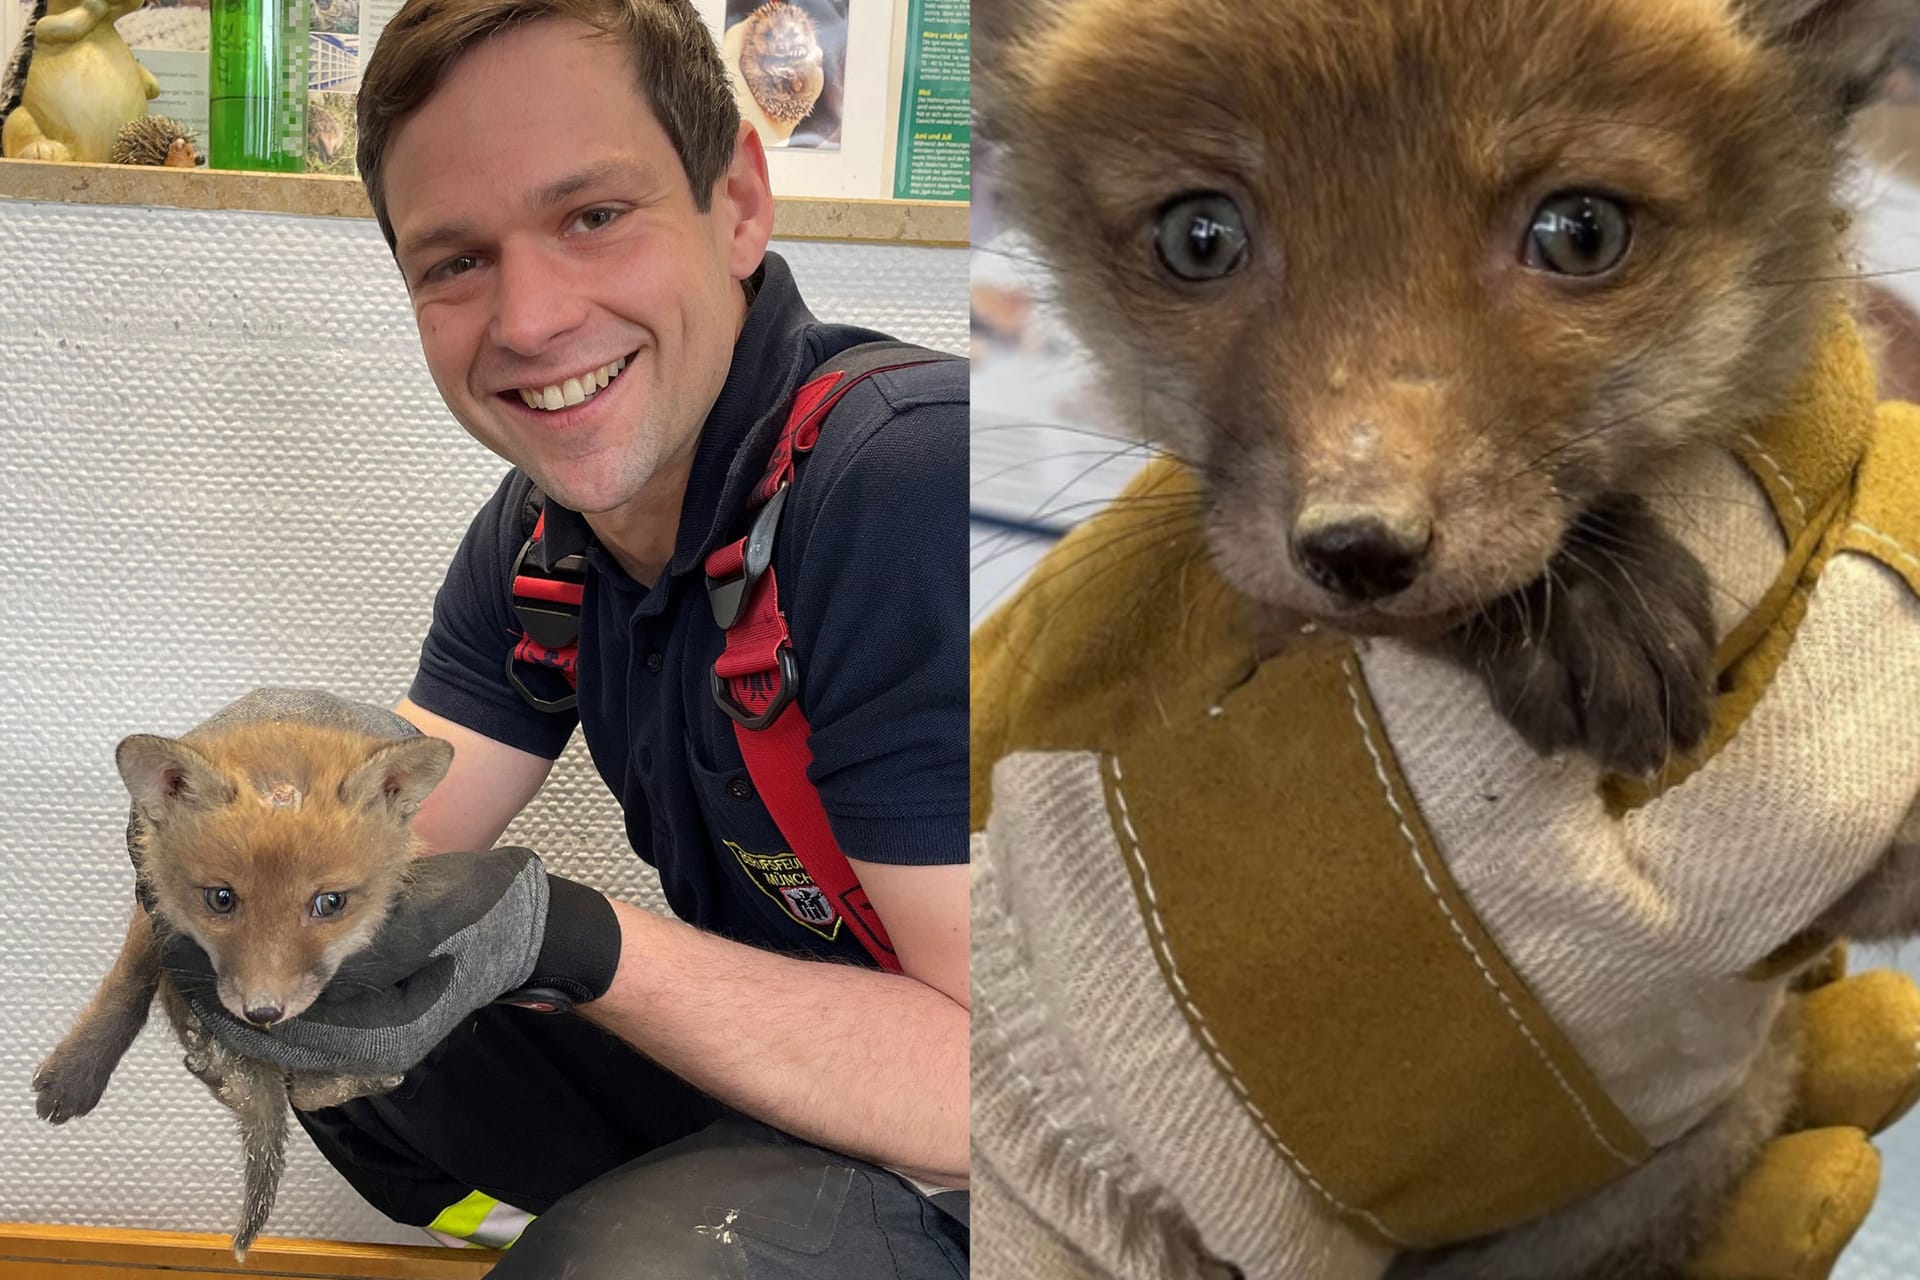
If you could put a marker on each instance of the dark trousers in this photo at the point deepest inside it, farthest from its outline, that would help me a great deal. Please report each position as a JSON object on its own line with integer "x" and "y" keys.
{"x": 632, "y": 1171}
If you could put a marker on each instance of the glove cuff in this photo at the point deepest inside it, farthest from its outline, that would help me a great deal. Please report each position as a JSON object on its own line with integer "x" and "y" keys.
{"x": 581, "y": 946}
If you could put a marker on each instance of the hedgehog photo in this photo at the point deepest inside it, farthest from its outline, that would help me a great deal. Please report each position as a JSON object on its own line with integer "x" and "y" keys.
{"x": 157, "y": 140}
{"x": 781, "y": 61}
{"x": 326, "y": 136}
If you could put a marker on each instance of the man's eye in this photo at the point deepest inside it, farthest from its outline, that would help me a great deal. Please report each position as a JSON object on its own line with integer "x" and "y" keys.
{"x": 220, "y": 899}
{"x": 454, "y": 267}
{"x": 328, "y": 904}
{"x": 594, "y": 219}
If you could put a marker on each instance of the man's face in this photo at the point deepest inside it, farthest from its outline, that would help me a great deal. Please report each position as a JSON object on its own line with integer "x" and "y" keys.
{"x": 577, "y": 312}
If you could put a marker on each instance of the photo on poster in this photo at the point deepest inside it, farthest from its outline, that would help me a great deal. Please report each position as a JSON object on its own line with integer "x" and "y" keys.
{"x": 181, "y": 26}
{"x": 335, "y": 17}
{"x": 331, "y": 133}
{"x": 837, "y": 147}
{"x": 788, "y": 63}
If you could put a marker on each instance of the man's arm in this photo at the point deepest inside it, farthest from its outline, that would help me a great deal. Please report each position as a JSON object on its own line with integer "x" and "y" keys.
{"x": 487, "y": 786}
{"x": 869, "y": 1063}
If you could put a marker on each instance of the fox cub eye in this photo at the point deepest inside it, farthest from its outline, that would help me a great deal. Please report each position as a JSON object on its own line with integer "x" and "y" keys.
{"x": 1576, "y": 233}
{"x": 1201, "y": 236}
{"x": 328, "y": 904}
{"x": 220, "y": 900}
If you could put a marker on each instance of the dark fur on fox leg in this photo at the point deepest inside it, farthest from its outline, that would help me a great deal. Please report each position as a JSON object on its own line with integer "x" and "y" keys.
{"x": 256, "y": 1093}
{"x": 1611, "y": 651}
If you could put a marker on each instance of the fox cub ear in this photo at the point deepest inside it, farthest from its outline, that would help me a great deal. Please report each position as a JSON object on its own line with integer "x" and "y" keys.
{"x": 166, "y": 777}
{"x": 1001, "y": 31}
{"x": 1848, "y": 46}
{"x": 397, "y": 776}
{"x": 996, "y": 21}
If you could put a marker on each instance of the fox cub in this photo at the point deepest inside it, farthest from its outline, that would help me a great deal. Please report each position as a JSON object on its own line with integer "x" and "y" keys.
{"x": 1425, "y": 291}
{"x": 276, "y": 836}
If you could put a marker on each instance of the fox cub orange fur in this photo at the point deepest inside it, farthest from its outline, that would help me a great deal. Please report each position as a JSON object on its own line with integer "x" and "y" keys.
{"x": 1418, "y": 288}
{"x": 278, "y": 846}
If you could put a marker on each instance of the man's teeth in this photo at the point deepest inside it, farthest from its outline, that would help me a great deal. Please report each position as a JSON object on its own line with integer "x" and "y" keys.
{"x": 573, "y": 390}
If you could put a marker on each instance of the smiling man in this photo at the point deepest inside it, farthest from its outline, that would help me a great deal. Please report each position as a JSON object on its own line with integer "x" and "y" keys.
{"x": 773, "y": 1084}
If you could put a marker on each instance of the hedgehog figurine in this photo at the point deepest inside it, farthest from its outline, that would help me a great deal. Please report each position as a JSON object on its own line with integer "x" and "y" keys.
{"x": 156, "y": 140}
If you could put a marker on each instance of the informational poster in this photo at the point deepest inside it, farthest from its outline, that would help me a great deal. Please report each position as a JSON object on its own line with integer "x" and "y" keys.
{"x": 931, "y": 162}
{"x": 170, "y": 39}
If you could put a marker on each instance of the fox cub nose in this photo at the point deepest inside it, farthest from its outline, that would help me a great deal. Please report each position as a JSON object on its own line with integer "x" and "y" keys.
{"x": 1362, "y": 555}
{"x": 263, "y": 1015}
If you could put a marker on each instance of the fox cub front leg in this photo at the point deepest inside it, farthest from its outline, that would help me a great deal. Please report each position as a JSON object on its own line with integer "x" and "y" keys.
{"x": 69, "y": 1083}
{"x": 1611, "y": 651}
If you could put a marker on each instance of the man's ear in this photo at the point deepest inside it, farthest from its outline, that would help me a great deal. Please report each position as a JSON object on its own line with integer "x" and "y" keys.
{"x": 1846, "y": 46}
{"x": 167, "y": 777}
{"x": 396, "y": 777}
{"x": 743, "y": 200}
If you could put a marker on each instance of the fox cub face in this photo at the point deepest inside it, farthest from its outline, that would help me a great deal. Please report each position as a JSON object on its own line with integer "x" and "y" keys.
{"x": 277, "y": 847}
{"x": 1412, "y": 284}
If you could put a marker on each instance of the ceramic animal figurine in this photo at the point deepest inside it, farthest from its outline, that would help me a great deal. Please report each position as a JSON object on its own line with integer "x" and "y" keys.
{"x": 75, "y": 84}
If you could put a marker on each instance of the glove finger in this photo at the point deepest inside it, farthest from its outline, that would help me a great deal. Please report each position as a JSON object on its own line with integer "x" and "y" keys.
{"x": 1796, "y": 1209}
{"x": 1862, "y": 1051}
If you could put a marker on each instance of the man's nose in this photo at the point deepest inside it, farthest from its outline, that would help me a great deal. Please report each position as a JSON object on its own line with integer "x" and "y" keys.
{"x": 532, "y": 304}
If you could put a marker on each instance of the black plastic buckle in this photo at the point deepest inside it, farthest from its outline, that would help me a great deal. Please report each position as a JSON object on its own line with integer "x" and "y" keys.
{"x": 568, "y": 703}
{"x": 550, "y": 625}
{"x": 789, "y": 689}
{"x": 729, "y": 598}
{"x": 553, "y": 625}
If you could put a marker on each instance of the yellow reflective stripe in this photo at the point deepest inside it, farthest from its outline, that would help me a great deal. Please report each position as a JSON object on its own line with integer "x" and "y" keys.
{"x": 481, "y": 1221}
{"x": 464, "y": 1218}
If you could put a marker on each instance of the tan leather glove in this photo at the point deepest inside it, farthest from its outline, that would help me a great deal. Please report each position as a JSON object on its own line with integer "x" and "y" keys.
{"x": 1794, "y": 1213}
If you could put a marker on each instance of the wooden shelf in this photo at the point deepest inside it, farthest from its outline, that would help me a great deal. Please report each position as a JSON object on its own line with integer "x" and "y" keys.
{"x": 37, "y": 1251}
{"x": 865, "y": 221}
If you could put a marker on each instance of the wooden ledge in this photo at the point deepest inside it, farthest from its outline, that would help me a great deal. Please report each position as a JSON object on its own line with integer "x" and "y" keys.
{"x": 867, "y": 221}
{"x": 37, "y": 1251}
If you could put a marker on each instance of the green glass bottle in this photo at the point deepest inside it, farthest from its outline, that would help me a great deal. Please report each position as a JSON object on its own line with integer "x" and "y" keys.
{"x": 257, "y": 99}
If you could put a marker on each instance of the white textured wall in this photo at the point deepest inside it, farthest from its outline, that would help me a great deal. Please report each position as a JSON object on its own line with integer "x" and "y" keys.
{"x": 224, "y": 465}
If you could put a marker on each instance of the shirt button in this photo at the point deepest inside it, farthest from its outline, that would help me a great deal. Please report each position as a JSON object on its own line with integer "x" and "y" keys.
{"x": 653, "y": 662}
{"x": 740, "y": 789}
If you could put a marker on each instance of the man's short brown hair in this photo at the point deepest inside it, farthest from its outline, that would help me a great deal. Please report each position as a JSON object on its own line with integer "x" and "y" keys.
{"x": 675, "y": 60}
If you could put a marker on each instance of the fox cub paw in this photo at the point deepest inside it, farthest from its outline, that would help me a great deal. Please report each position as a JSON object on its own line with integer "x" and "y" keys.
{"x": 68, "y": 1085}
{"x": 1611, "y": 652}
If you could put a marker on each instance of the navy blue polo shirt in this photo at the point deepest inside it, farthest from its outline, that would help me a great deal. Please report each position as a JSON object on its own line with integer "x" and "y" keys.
{"x": 871, "y": 564}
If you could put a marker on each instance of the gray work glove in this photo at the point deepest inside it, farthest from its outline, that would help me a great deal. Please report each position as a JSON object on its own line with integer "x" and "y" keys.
{"x": 468, "y": 929}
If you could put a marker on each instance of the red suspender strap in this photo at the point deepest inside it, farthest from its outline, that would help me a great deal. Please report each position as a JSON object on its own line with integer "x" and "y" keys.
{"x": 756, "y": 680}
